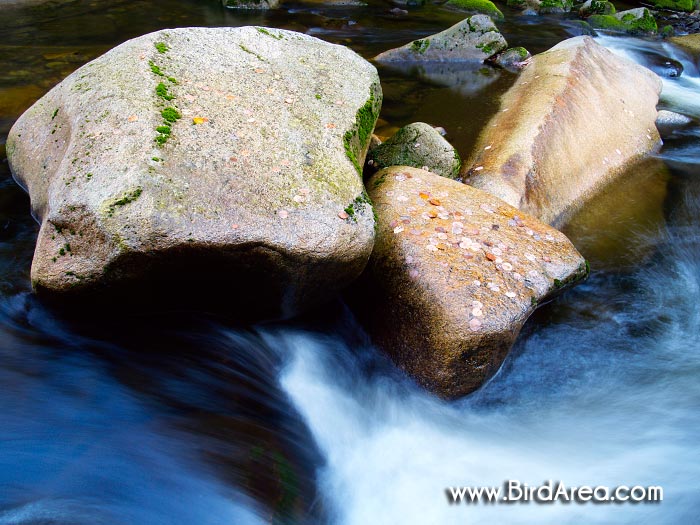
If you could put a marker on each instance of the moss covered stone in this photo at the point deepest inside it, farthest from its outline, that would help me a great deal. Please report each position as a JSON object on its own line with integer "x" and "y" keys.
{"x": 555, "y": 6}
{"x": 484, "y": 7}
{"x": 634, "y": 21}
{"x": 675, "y": 5}
{"x": 418, "y": 145}
{"x": 596, "y": 7}
{"x": 474, "y": 38}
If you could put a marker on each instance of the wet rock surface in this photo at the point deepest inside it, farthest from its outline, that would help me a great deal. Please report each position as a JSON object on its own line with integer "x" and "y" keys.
{"x": 454, "y": 275}
{"x": 577, "y": 105}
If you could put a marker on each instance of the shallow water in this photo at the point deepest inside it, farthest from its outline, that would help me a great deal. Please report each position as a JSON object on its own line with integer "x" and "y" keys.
{"x": 188, "y": 418}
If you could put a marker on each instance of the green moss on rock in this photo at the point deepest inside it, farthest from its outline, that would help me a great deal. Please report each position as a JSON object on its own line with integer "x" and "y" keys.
{"x": 485, "y": 7}
{"x": 356, "y": 139}
{"x": 170, "y": 114}
{"x": 555, "y": 6}
{"x": 420, "y": 46}
{"x": 675, "y": 5}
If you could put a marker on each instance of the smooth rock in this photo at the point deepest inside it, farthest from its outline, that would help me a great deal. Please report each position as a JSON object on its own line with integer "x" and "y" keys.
{"x": 454, "y": 275}
{"x": 227, "y": 155}
{"x": 667, "y": 121}
{"x": 688, "y": 42}
{"x": 577, "y": 116}
{"x": 473, "y": 39}
{"x": 418, "y": 145}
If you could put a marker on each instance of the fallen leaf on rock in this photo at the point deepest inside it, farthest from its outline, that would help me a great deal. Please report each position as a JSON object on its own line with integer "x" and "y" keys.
{"x": 434, "y": 202}
{"x": 200, "y": 120}
{"x": 343, "y": 215}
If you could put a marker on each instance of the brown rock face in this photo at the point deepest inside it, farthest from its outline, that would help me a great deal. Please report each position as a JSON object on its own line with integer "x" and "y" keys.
{"x": 454, "y": 274}
{"x": 577, "y": 116}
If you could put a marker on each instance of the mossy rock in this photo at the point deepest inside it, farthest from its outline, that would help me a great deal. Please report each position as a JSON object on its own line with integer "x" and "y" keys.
{"x": 484, "y": 7}
{"x": 637, "y": 21}
{"x": 473, "y": 39}
{"x": 418, "y": 145}
{"x": 675, "y": 5}
{"x": 512, "y": 59}
{"x": 222, "y": 186}
{"x": 555, "y": 6}
{"x": 596, "y": 7}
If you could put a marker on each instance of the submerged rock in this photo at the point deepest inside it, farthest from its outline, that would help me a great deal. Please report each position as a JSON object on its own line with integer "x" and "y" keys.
{"x": 454, "y": 275}
{"x": 251, "y": 4}
{"x": 418, "y": 145}
{"x": 473, "y": 39}
{"x": 578, "y": 115}
{"x": 484, "y": 7}
{"x": 224, "y": 160}
{"x": 637, "y": 21}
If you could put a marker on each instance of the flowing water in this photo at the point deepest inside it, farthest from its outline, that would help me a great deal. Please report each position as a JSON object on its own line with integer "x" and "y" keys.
{"x": 187, "y": 418}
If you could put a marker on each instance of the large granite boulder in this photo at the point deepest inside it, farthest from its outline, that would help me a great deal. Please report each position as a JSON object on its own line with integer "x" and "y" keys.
{"x": 418, "y": 145}
{"x": 229, "y": 155}
{"x": 454, "y": 275}
{"x": 577, "y": 116}
{"x": 473, "y": 39}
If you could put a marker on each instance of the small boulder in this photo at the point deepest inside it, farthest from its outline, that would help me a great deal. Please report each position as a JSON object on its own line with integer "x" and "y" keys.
{"x": 578, "y": 115}
{"x": 667, "y": 121}
{"x": 419, "y": 145}
{"x": 512, "y": 59}
{"x": 637, "y": 21}
{"x": 453, "y": 277}
{"x": 225, "y": 161}
{"x": 484, "y": 7}
{"x": 473, "y": 39}
{"x": 596, "y": 7}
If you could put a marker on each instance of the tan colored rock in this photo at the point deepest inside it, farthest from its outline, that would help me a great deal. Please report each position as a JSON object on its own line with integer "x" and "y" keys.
{"x": 575, "y": 119}
{"x": 689, "y": 42}
{"x": 231, "y": 154}
{"x": 454, "y": 274}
